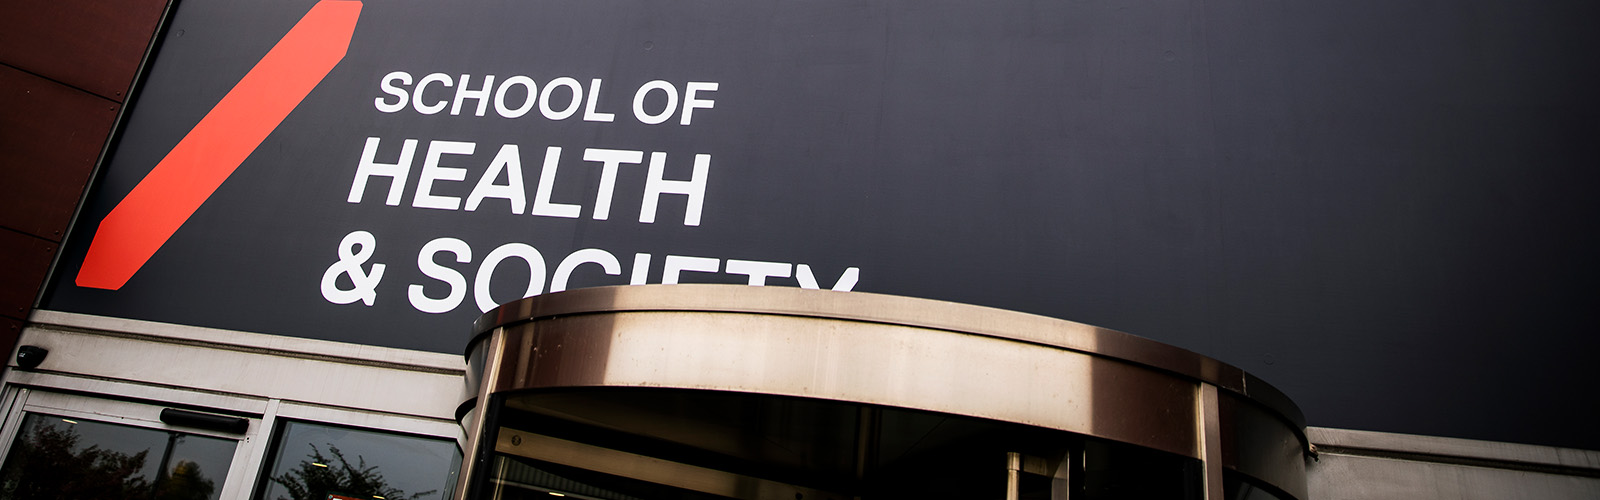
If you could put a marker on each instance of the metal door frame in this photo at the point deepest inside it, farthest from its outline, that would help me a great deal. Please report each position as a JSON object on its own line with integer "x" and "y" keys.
{"x": 19, "y": 402}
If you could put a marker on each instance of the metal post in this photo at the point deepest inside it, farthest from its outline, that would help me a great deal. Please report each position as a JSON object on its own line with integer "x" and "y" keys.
{"x": 1209, "y": 428}
{"x": 1013, "y": 475}
{"x": 475, "y": 459}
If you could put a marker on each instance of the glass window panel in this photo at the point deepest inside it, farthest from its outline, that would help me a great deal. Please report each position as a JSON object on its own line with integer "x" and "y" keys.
{"x": 313, "y": 461}
{"x": 823, "y": 446}
{"x": 68, "y": 458}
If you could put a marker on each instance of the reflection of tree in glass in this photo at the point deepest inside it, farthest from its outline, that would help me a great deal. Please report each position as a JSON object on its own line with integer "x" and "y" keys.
{"x": 317, "y": 477}
{"x": 185, "y": 483}
{"x": 44, "y": 466}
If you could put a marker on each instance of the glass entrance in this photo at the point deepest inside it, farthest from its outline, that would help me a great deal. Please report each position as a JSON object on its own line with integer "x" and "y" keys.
{"x": 626, "y": 444}
{"x": 74, "y": 446}
{"x": 58, "y": 457}
{"x": 314, "y": 461}
{"x": 61, "y": 446}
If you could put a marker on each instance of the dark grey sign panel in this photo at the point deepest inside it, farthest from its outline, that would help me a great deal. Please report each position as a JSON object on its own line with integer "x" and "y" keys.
{"x": 1385, "y": 213}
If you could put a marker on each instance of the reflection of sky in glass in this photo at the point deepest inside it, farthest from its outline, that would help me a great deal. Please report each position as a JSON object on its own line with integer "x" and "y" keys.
{"x": 213, "y": 455}
{"x": 408, "y": 463}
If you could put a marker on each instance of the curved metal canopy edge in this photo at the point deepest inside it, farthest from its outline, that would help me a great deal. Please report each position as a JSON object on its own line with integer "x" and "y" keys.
{"x": 897, "y": 352}
{"x": 895, "y": 310}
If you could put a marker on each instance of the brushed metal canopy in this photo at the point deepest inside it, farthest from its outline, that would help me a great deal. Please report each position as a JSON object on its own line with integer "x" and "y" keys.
{"x": 896, "y": 352}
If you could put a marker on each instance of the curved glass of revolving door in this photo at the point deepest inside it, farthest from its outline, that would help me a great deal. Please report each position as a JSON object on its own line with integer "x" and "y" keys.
{"x": 621, "y": 444}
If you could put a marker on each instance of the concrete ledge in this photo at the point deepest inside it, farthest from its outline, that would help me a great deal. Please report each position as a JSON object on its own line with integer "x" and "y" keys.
{"x": 253, "y": 342}
{"x": 139, "y": 358}
{"x": 1453, "y": 450}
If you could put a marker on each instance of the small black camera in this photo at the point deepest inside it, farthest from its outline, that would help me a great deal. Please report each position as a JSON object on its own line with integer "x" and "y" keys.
{"x": 29, "y": 356}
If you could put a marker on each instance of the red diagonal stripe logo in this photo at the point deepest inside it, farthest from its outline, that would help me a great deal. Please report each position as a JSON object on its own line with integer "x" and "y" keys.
{"x": 182, "y": 181}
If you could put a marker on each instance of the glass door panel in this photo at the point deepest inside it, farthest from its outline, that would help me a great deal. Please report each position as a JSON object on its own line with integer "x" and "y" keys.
{"x": 55, "y": 457}
{"x": 669, "y": 444}
{"x": 313, "y": 461}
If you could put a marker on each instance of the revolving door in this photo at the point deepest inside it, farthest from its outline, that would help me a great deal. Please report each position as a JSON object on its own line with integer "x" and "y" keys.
{"x": 711, "y": 392}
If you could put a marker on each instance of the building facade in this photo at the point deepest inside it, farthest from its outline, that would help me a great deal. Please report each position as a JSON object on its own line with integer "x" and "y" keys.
{"x": 246, "y": 244}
